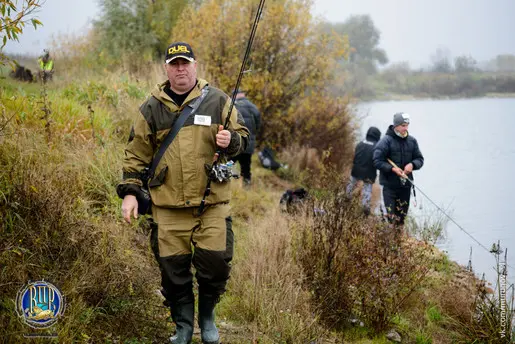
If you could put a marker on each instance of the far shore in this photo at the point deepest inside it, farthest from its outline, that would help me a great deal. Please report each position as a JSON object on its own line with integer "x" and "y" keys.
{"x": 405, "y": 97}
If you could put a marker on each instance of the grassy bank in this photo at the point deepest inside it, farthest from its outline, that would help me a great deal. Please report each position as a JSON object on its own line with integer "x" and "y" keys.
{"x": 295, "y": 279}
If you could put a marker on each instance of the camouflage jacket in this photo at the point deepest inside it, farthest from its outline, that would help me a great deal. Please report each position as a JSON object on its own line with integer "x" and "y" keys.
{"x": 180, "y": 177}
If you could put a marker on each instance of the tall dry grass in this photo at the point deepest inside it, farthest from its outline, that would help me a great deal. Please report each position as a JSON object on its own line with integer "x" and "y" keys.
{"x": 59, "y": 222}
{"x": 266, "y": 290}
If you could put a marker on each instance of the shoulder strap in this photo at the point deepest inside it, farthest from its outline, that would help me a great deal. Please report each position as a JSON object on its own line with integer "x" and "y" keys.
{"x": 179, "y": 122}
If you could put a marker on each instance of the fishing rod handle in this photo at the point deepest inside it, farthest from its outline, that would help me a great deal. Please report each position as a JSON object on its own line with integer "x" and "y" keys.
{"x": 405, "y": 176}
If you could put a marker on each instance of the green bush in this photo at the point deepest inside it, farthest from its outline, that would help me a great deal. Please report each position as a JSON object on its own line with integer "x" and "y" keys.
{"x": 91, "y": 92}
{"x": 59, "y": 222}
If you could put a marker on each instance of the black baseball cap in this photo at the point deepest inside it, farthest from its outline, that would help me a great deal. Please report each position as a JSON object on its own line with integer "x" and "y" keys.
{"x": 179, "y": 49}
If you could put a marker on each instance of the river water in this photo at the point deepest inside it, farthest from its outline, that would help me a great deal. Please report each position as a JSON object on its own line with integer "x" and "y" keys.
{"x": 469, "y": 151}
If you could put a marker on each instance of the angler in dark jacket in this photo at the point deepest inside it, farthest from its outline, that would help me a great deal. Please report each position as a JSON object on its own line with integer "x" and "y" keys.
{"x": 363, "y": 167}
{"x": 401, "y": 148}
{"x": 252, "y": 118}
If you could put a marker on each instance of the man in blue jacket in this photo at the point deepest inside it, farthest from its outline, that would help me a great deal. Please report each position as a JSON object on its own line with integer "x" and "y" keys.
{"x": 402, "y": 149}
{"x": 252, "y": 119}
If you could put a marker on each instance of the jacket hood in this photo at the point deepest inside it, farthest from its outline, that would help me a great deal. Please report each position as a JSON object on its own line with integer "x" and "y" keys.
{"x": 373, "y": 134}
{"x": 161, "y": 95}
{"x": 391, "y": 132}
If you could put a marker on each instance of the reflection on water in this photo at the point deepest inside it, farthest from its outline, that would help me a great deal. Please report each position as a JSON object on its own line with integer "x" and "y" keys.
{"x": 469, "y": 151}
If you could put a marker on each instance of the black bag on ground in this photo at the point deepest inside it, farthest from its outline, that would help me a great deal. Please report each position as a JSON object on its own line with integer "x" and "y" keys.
{"x": 267, "y": 160}
{"x": 293, "y": 198}
{"x": 21, "y": 73}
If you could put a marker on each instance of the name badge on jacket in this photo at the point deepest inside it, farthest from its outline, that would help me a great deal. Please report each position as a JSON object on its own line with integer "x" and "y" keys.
{"x": 202, "y": 120}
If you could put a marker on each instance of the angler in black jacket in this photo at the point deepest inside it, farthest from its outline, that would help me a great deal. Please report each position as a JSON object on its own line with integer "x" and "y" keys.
{"x": 363, "y": 167}
{"x": 401, "y": 148}
{"x": 252, "y": 119}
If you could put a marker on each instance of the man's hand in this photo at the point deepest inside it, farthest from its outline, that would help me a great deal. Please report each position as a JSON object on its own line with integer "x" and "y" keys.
{"x": 223, "y": 138}
{"x": 408, "y": 168}
{"x": 398, "y": 172}
{"x": 129, "y": 207}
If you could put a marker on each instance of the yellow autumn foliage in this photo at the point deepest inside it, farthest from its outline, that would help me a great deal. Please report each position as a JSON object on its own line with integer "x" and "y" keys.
{"x": 291, "y": 68}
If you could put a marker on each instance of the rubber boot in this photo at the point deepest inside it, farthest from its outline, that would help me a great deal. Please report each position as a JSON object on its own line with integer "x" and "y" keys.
{"x": 206, "y": 320}
{"x": 183, "y": 316}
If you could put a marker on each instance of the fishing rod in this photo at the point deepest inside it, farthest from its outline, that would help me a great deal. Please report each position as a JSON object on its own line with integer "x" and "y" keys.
{"x": 214, "y": 171}
{"x": 469, "y": 265}
{"x": 245, "y": 58}
{"x": 405, "y": 177}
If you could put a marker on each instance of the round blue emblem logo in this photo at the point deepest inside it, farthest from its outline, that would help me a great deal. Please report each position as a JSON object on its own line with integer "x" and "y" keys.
{"x": 39, "y": 304}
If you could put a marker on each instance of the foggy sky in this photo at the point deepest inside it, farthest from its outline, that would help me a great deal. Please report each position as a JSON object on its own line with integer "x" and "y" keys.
{"x": 411, "y": 30}
{"x": 58, "y": 17}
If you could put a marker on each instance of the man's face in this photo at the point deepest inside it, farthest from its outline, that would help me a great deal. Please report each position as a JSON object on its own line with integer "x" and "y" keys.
{"x": 182, "y": 75}
{"x": 402, "y": 128}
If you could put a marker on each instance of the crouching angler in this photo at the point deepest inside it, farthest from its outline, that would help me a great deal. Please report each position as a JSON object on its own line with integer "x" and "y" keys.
{"x": 185, "y": 236}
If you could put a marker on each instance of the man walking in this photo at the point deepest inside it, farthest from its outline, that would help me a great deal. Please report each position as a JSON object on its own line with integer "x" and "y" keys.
{"x": 186, "y": 235}
{"x": 401, "y": 149}
{"x": 252, "y": 118}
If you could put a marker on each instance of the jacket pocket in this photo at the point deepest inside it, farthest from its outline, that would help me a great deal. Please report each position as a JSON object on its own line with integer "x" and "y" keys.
{"x": 159, "y": 179}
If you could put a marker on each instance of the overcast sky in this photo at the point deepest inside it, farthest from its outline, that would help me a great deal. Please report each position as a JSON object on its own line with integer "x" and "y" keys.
{"x": 411, "y": 30}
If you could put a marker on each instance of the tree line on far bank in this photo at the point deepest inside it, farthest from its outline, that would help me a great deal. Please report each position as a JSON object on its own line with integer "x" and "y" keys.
{"x": 367, "y": 75}
{"x": 461, "y": 77}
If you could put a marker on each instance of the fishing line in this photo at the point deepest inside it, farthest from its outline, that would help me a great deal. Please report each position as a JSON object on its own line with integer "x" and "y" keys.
{"x": 456, "y": 223}
{"x": 449, "y": 217}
